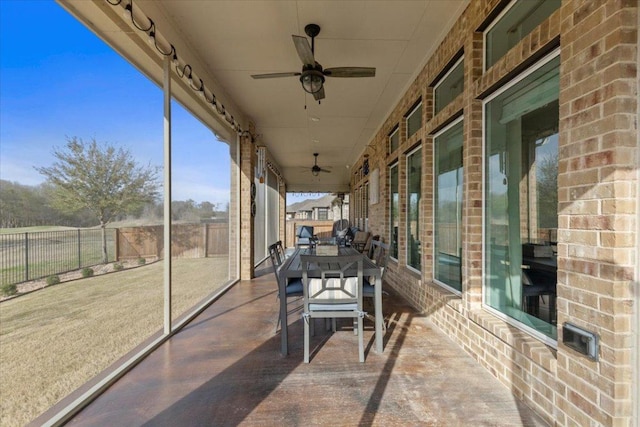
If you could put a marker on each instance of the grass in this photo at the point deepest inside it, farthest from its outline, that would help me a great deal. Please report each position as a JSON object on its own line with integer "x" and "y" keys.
{"x": 49, "y": 253}
{"x": 54, "y": 340}
{"x": 35, "y": 229}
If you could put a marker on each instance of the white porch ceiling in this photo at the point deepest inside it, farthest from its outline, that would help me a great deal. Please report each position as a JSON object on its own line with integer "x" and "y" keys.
{"x": 233, "y": 39}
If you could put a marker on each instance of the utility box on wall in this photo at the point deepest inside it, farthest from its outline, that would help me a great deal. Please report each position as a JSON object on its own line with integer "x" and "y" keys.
{"x": 582, "y": 341}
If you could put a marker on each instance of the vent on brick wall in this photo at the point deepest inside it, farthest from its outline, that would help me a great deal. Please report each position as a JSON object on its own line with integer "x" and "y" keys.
{"x": 580, "y": 340}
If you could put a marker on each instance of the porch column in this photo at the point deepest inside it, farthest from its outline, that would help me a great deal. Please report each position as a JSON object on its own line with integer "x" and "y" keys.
{"x": 167, "y": 193}
{"x": 247, "y": 171}
{"x": 282, "y": 211}
{"x": 472, "y": 179}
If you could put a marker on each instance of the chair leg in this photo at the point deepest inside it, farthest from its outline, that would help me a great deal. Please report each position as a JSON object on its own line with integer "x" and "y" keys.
{"x": 360, "y": 339}
{"x": 306, "y": 338}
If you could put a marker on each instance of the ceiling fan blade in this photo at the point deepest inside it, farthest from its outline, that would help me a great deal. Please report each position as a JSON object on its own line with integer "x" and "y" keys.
{"x": 304, "y": 50}
{"x": 273, "y": 75}
{"x": 324, "y": 170}
{"x": 350, "y": 72}
{"x": 319, "y": 94}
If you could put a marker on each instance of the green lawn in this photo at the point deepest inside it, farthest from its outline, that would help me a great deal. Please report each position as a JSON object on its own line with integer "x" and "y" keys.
{"x": 54, "y": 340}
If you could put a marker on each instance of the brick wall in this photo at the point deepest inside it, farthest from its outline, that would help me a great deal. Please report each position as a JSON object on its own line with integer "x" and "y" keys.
{"x": 598, "y": 205}
{"x": 598, "y": 208}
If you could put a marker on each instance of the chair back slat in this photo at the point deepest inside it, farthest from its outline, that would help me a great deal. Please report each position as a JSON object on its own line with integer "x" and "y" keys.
{"x": 336, "y": 282}
{"x": 276, "y": 257}
{"x": 380, "y": 255}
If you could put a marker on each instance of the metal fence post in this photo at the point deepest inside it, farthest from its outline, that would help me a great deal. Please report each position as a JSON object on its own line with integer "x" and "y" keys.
{"x": 116, "y": 239}
{"x": 79, "y": 260}
{"x": 26, "y": 257}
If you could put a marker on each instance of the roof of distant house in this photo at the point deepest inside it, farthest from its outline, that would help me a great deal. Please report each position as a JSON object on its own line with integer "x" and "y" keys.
{"x": 309, "y": 204}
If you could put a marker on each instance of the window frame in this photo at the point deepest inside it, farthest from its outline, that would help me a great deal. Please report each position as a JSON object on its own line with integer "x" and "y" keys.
{"x": 495, "y": 22}
{"x": 394, "y": 132}
{"x": 323, "y": 212}
{"x": 408, "y": 156}
{"x": 499, "y": 314}
{"x": 365, "y": 206}
{"x": 409, "y": 115}
{"x": 459, "y": 61}
{"x": 459, "y": 120}
{"x": 395, "y": 165}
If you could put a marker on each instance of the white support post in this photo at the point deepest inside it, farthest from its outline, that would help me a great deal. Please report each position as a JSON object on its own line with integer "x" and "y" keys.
{"x": 167, "y": 194}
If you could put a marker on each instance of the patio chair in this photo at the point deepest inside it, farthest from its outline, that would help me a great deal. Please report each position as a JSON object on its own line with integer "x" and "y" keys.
{"x": 380, "y": 257}
{"x": 284, "y": 253}
{"x": 536, "y": 285}
{"x": 368, "y": 247}
{"x": 344, "y": 237}
{"x": 338, "y": 226}
{"x": 293, "y": 287}
{"x": 333, "y": 295}
{"x": 360, "y": 240}
{"x": 305, "y": 236}
{"x": 339, "y": 232}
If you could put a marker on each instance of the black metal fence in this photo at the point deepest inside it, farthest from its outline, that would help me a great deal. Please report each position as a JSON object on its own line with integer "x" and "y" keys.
{"x": 30, "y": 256}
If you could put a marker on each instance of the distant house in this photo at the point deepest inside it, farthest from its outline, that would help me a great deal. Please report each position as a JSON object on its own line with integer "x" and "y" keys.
{"x": 327, "y": 208}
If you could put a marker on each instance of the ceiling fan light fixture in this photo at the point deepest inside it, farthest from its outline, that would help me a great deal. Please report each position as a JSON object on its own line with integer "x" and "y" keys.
{"x": 312, "y": 81}
{"x": 315, "y": 172}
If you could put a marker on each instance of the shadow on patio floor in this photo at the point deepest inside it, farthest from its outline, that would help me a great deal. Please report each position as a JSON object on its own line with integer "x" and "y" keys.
{"x": 225, "y": 369}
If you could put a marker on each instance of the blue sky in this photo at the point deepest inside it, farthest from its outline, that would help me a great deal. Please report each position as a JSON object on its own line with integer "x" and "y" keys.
{"x": 59, "y": 80}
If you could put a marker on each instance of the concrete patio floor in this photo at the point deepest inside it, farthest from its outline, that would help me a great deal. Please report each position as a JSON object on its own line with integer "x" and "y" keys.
{"x": 225, "y": 369}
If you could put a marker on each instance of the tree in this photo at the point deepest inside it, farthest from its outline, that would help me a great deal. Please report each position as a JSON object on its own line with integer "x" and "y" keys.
{"x": 547, "y": 177}
{"x": 105, "y": 180}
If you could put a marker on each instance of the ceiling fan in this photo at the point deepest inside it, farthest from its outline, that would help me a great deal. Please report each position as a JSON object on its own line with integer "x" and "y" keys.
{"x": 315, "y": 169}
{"x": 312, "y": 74}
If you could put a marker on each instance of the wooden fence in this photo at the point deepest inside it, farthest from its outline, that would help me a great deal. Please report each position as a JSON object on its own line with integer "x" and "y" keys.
{"x": 21, "y": 254}
{"x": 322, "y": 229}
{"x": 195, "y": 240}
{"x": 187, "y": 241}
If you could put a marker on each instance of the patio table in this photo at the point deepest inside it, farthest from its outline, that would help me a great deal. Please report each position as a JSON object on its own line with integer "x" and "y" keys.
{"x": 292, "y": 269}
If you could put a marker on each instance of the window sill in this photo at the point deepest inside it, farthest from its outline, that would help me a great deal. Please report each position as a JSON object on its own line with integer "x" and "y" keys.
{"x": 529, "y": 346}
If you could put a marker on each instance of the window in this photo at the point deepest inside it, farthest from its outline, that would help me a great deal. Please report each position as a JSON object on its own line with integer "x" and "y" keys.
{"x": 394, "y": 209}
{"x": 357, "y": 208}
{"x": 323, "y": 214}
{"x": 521, "y": 163}
{"x": 273, "y": 208}
{"x": 394, "y": 140}
{"x": 260, "y": 225}
{"x": 414, "y": 177}
{"x": 414, "y": 120}
{"x": 449, "y": 87}
{"x": 448, "y": 206}
{"x": 518, "y": 20}
{"x": 365, "y": 206}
